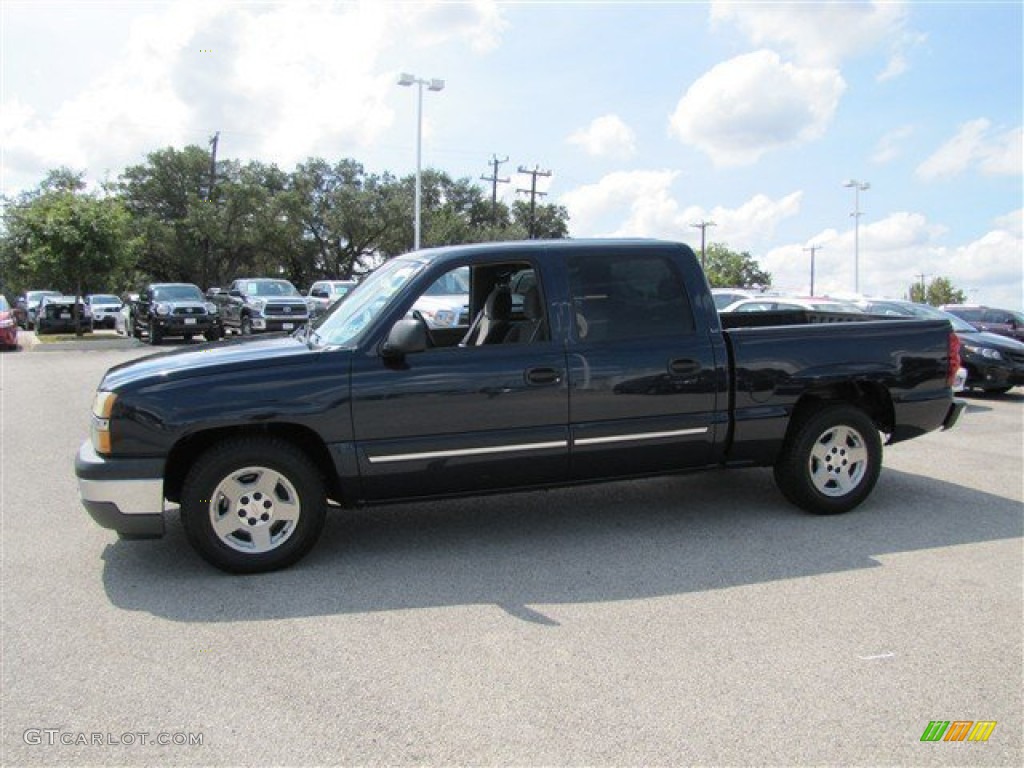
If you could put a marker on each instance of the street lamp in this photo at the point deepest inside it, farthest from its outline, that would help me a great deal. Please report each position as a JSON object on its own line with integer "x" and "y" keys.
{"x": 858, "y": 187}
{"x": 432, "y": 85}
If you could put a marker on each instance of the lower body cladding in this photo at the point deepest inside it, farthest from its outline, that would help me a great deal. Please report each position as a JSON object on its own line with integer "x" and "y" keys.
{"x": 125, "y": 496}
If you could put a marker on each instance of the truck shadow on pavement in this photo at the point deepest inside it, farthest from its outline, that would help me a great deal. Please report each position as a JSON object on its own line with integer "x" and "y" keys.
{"x": 621, "y": 541}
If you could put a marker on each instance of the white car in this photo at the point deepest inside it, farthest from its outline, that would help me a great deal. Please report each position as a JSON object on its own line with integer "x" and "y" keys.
{"x": 445, "y": 304}
{"x": 104, "y": 309}
{"x": 779, "y": 303}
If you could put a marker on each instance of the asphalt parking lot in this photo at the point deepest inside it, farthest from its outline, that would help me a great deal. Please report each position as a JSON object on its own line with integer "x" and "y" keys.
{"x": 696, "y": 620}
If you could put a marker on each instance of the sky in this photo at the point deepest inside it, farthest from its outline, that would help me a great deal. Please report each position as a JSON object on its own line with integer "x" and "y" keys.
{"x": 651, "y": 117}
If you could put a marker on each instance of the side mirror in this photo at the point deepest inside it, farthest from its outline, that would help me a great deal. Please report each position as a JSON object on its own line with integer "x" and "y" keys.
{"x": 407, "y": 336}
{"x": 235, "y": 292}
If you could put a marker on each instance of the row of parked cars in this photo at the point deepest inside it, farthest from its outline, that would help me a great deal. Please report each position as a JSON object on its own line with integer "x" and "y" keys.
{"x": 991, "y": 348}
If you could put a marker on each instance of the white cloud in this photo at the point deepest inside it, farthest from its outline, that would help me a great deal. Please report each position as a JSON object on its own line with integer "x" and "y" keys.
{"x": 642, "y": 204}
{"x": 889, "y": 146}
{"x": 606, "y": 136}
{"x": 823, "y": 34}
{"x": 280, "y": 81}
{"x": 479, "y": 22}
{"x": 976, "y": 146}
{"x": 897, "y": 250}
{"x": 748, "y": 105}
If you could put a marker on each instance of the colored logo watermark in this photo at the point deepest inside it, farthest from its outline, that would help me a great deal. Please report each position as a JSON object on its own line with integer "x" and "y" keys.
{"x": 958, "y": 730}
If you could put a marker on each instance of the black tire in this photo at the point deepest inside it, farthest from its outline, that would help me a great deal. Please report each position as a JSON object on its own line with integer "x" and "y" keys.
{"x": 997, "y": 390}
{"x": 245, "y": 328}
{"x": 155, "y": 336}
{"x": 273, "y": 522}
{"x": 188, "y": 337}
{"x": 214, "y": 334}
{"x": 830, "y": 460}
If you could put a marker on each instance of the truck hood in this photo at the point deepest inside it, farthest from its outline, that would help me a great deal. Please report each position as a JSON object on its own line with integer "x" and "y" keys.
{"x": 211, "y": 358}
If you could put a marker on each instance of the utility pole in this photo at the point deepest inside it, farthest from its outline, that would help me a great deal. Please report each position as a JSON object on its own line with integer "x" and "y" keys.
{"x": 924, "y": 291}
{"x": 702, "y": 226}
{"x": 495, "y": 181}
{"x": 813, "y": 249}
{"x": 533, "y": 193}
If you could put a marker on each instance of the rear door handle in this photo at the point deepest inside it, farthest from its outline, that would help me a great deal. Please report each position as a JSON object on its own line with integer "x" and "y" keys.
{"x": 684, "y": 367}
{"x": 542, "y": 376}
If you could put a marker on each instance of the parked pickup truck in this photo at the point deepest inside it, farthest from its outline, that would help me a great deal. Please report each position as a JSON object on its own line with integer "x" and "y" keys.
{"x": 261, "y": 304}
{"x": 616, "y": 364}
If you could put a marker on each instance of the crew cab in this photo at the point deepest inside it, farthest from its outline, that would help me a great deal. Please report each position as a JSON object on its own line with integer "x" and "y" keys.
{"x": 174, "y": 309}
{"x": 615, "y": 364}
{"x": 255, "y": 304}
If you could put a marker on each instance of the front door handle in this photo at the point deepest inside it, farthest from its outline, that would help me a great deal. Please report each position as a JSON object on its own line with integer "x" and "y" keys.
{"x": 543, "y": 376}
{"x": 684, "y": 367}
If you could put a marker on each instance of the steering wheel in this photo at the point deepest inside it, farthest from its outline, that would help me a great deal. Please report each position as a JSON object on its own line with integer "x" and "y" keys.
{"x": 426, "y": 327}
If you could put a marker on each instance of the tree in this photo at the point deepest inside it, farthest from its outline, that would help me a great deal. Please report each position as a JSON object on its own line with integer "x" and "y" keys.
{"x": 728, "y": 269}
{"x": 60, "y": 236}
{"x": 939, "y": 291}
{"x": 548, "y": 221}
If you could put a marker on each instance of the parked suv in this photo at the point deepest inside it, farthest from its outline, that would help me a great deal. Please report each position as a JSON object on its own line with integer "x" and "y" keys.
{"x": 103, "y": 308}
{"x": 1005, "y": 322}
{"x": 262, "y": 304}
{"x": 324, "y": 293}
{"x": 175, "y": 309}
{"x": 26, "y": 306}
{"x": 57, "y": 313}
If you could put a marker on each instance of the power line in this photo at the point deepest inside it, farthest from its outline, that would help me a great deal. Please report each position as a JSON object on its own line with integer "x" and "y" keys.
{"x": 533, "y": 193}
{"x": 494, "y": 185}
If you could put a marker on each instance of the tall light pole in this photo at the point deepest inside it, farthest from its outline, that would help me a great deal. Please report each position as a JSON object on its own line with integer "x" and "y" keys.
{"x": 858, "y": 187}
{"x": 813, "y": 249}
{"x": 432, "y": 85}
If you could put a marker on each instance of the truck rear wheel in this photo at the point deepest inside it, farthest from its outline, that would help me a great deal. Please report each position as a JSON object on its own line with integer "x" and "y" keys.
{"x": 251, "y": 505}
{"x": 831, "y": 459}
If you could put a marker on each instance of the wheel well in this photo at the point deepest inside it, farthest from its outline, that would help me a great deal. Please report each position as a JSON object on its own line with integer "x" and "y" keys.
{"x": 870, "y": 397}
{"x": 187, "y": 450}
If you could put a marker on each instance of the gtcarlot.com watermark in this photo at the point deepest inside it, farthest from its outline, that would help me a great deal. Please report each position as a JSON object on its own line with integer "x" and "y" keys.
{"x": 52, "y": 737}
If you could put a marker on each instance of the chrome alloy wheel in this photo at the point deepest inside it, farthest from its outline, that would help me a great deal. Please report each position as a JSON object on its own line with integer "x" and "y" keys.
{"x": 254, "y": 510}
{"x": 838, "y": 460}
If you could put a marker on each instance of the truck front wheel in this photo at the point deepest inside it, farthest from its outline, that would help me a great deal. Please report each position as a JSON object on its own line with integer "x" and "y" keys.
{"x": 251, "y": 505}
{"x": 831, "y": 459}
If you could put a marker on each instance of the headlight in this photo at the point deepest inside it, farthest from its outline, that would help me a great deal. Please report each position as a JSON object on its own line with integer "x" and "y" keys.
{"x": 102, "y": 407}
{"x": 162, "y": 309}
{"x": 258, "y": 304}
{"x": 211, "y": 308}
{"x": 986, "y": 352}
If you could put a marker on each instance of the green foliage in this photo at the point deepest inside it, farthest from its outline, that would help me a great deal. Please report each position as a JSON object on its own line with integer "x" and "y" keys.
{"x": 939, "y": 291}
{"x": 174, "y": 218}
{"x": 729, "y": 269}
{"x": 60, "y": 237}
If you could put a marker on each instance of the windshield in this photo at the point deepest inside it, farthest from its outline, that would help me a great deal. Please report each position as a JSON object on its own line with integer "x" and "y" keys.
{"x": 270, "y": 288}
{"x": 365, "y": 303}
{"x": 102, "y": 298}
{"x": 177, "y": 293}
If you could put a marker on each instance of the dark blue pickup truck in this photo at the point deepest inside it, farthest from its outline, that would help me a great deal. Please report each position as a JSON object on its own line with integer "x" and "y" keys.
{"x": 583, "y": 361}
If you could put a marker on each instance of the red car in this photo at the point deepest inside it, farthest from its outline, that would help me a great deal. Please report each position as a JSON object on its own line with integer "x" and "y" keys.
{"x": 8, "y": 326}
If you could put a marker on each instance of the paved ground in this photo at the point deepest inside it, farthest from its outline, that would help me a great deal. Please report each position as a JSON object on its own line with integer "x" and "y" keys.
{"x": 681, "y": 621}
